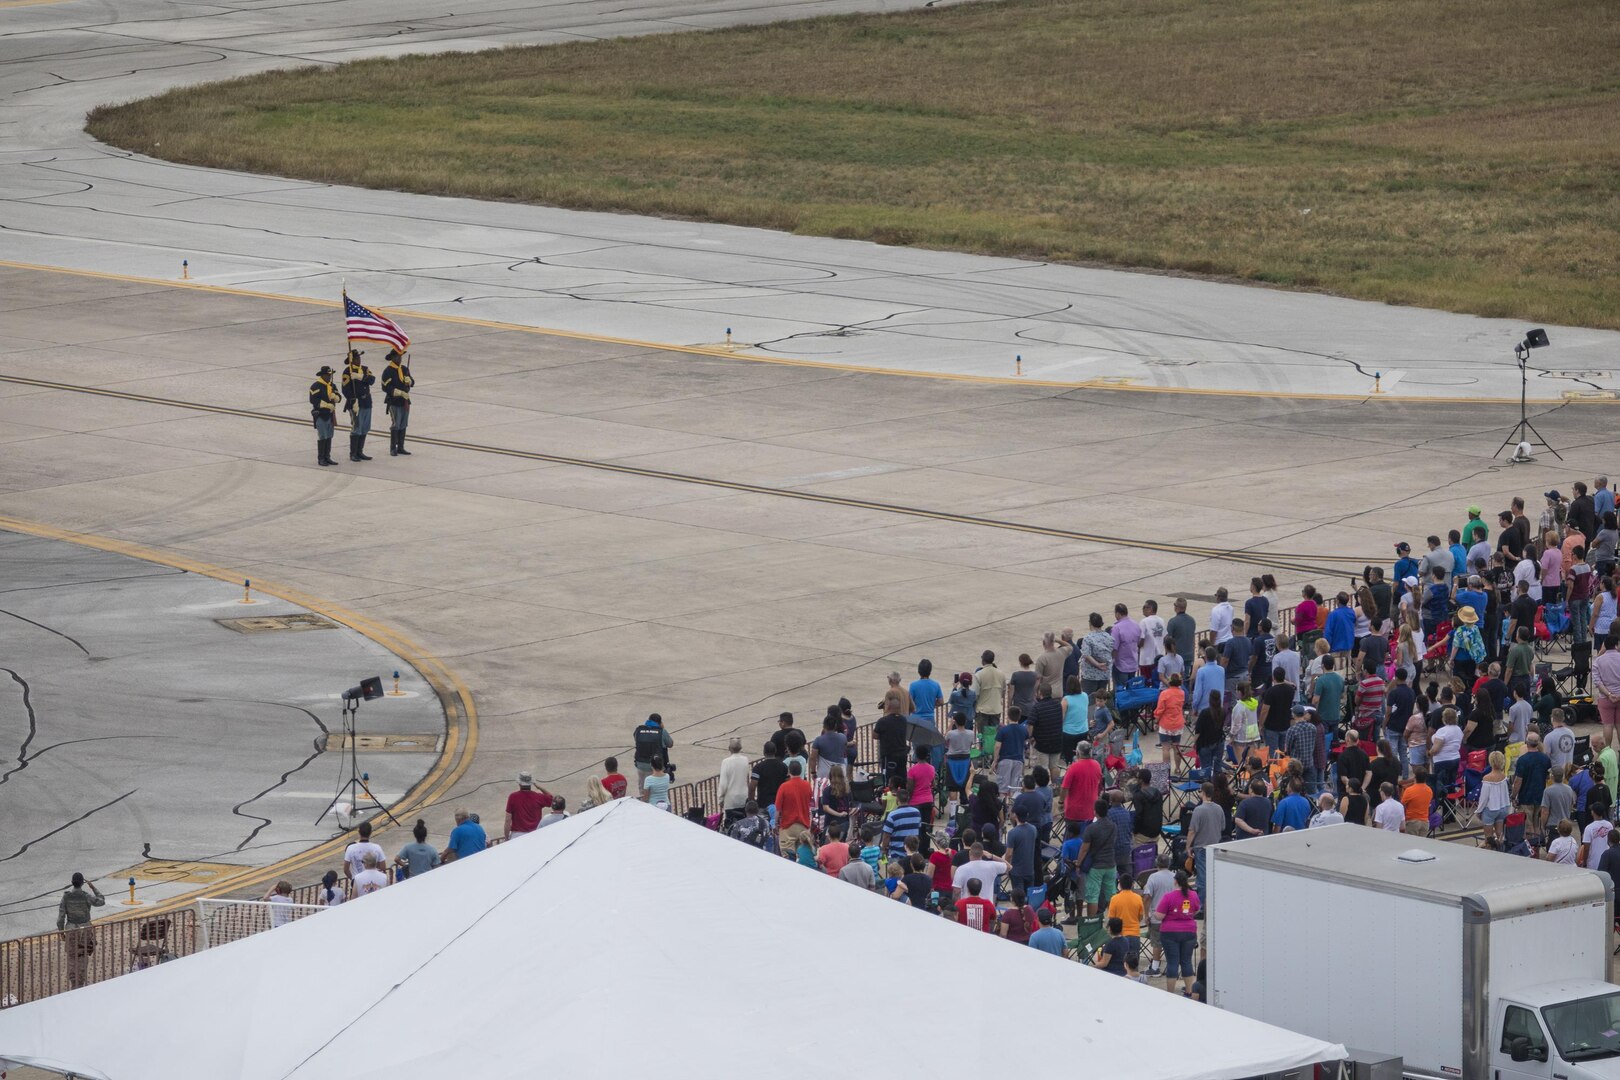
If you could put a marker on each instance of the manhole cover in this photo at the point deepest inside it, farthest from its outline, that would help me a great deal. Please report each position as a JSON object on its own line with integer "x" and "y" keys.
{"x": 418, "y": 744}
{"x": 264, "y": 624}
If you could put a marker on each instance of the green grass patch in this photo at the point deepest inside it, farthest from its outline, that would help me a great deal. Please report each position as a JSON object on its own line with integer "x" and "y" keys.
{"x": 1458, "y": 154}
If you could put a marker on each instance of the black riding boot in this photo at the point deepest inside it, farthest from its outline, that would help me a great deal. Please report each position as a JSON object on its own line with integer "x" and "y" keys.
{"x": 354, "y": 447}
{"x": 401, "y": 437}
{"x": 360, "y": 449}
{"x": 393, "y": 443}
{"x": 325, "y": 452}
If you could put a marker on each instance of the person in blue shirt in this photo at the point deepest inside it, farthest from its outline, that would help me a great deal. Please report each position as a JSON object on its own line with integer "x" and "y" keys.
{"x": 1405, "y": 567}
{"x": 927, "y": 702}
{"x": 1048, "y": 939}
{"x": 467, "y": 838}
{"x": 1341, "y": 625}
{"x": 1293, "y": 810}
{"x": 1436, "y": 603}
{"x": 1459, "y": 555}
{"x": 1472, "y": 594}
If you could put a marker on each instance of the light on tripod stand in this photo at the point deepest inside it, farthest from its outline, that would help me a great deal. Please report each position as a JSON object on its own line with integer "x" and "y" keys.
{"x": 358, "y": 784}
{"x": 1520, "y": 437}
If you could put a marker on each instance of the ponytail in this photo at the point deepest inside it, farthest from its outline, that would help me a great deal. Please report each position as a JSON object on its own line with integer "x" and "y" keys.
{"x": 1183, "y": 882}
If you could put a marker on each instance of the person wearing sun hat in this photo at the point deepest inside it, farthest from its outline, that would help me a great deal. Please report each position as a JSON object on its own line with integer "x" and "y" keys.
{"x": 1467, "y": 645}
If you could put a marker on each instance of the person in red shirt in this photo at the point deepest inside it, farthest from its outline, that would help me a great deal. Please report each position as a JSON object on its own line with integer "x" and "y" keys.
{"x": 944, "y": 869}
{"x": 792, "y": 810}
{"x": 614, "y": 781}
{"x": 1082, "y": 782}
{"x": 974, "y": 911}
{"x": 525, "y": 805}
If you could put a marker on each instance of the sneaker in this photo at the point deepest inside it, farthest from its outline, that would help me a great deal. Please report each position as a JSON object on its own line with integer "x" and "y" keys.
{"x": 1154, "y": 970}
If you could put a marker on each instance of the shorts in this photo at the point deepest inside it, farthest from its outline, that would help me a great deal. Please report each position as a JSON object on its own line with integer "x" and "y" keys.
{"x": 1010, "y": 775}
{"x": 1168, "y": 737}
{"x": 1100, "y": 885}
{"x": 1491, "y": 817}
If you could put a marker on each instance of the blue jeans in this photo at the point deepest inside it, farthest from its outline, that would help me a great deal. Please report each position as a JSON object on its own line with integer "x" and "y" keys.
{"x": 1274, "y": 739}
{"x": 1178, "y": 953}
{"x": 1445, "y": 774}
{"x": 1313, "y": 780}
{"x": 1201, "y": 868}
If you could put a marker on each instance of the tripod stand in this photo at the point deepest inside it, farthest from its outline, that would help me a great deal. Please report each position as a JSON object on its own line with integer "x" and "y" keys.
{"x": 1524, "y": 429}
{"x": 356, "y": 783}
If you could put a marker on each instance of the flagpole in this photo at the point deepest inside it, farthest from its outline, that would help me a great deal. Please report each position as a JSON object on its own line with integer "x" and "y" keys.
{"x": 348, "y": 342}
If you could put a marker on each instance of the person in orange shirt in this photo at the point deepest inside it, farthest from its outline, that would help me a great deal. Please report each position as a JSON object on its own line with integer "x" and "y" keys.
{"x": 1417, "y": 797}
{"x": 793, "y": 810}
{"x": 1171, "y": 715}
{"x": 1131, "y": 910}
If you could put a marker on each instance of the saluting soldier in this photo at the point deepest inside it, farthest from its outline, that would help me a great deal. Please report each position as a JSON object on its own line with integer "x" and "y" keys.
{"x": 357, "y": 380}
{"x": 396, "y": 384}
{"x": 323, "y": 401}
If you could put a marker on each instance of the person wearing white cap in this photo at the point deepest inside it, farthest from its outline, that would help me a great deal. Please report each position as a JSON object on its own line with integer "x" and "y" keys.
{"x": 524, "y": 806}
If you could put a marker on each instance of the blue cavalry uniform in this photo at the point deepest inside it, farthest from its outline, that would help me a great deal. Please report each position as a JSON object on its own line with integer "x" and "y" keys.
{"x": 323, "y": 401}
{"x": 396, "y": 384}
{"x": 357, "y": 380}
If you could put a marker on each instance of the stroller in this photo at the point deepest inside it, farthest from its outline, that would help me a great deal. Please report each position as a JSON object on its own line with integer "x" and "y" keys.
{"x": 1438, "y": 645}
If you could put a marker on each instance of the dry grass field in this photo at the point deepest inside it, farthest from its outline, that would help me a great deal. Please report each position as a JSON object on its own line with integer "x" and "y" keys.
{"x": 1459, "y": 154}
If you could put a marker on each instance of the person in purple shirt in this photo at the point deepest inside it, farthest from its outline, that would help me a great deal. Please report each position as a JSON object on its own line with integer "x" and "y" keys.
{"x": 1127, "y": 635}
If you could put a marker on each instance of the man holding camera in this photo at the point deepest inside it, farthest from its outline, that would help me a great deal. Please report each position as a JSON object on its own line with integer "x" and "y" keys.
{"x": 396, "y": 383}
{"x": 323, "y": 399}
{"x": 357, "y": 380}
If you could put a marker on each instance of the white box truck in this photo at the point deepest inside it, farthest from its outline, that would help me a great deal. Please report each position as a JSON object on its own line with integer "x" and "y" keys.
{"x": 1465, "y": 962}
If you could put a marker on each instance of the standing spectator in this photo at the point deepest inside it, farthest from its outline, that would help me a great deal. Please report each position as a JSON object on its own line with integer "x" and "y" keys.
{"x": 1594, "y": 842}
{"x": 1048, "y": 939}
{"x": 466, "y": 839}
{"x": 331, "y": 896}
{"x": 524, "y": 806}
{"x": 1021, "y": 686}
{"x": 964, "y": 699}
{"x": 1256, "y": 608}
{"x": 1340, "y": 630}
{"x": 1082, "y": 783}
{"x": 370, "y": 879}
{"x": 1077, "y": 721}
{"x": 1328, "y": 694}
{"x": 1208, "y": 678}
{"x": 770, "y": 772}
{"x": 1022, "y": 842}
{"x": 1182, "y": 629}
{"x": 558, "y": 811}
{"x": 1558, "y": 801}
{"x": 1220, "y": 617}
{"x": 1096, "y": 656}
{"x": 1097, "y": 843}
{"x": 1564, "y": 848}
{"x": 1307, "y": 618}
{"x": 1049, "y": 666}
{"x": 655, "y": 785}
{"x": 1170, "y": 718}
{"x": 828, "y": 749}
{"x": 1390, "y": 813}
{"x": 1237, "y": 655}
{"x": 1154, "y": 631}
{"x": 280, "y": 895}
{"x": 1171, "y": 663}
{"x": 980, "y": 867}
{"x": 989, "y": 692}
{"x": 793, "y": 809}
{"x": 1276, "y": 708}
{"x": 1327, "y": 813}
{"x": 354, "y": 856}
{"x": 1370, "y": 693}
{"x": 1178, "y": 930}
{"x": 734, "y": 772}
{"x": 417, "y": 857}
{"x": 1445, "y": 752}
{"x": 650, "y": 740}
{"x": 1353, "y": 763}
{"x": 1253, "y": 815}
{"x": 1011, "y": 740}
{"x": 891, "y": 732}
{"x": 1046, "y": 725}
{"x": 1243, "y": 725}
{"x": 1417, "y": 798}
{"x": 1209, "y": 734}
{"x": 899, "y": 825}
{"x": 753, "y": 828}
{"x": 834, "y": 855}
{"x": 895, "y": 687}
{"x": 920, "y": 786}
{"x": 855, "y": 870}
{"x": 1303, "y": 742}
{"x": 975, "y": 912}
{"x": 1293, "y": 811}
{"x": 1147, "y": 809}
{"x": 1127, "y": 638}
{"x": 617, "y": 786}
{"x": 73, "y": 923}
{"x": 927, "y": 698}
{"x": 1560, "y": 742}
{"x": 1204, "y": 831}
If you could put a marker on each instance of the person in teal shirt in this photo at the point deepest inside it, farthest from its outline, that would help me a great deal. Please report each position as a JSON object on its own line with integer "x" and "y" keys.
{"x": 1329, "y": 694}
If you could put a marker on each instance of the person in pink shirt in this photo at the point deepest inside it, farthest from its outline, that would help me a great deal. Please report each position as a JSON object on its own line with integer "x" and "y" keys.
{"x": 920, "y": 781}
{"x": 1178, "y": 932}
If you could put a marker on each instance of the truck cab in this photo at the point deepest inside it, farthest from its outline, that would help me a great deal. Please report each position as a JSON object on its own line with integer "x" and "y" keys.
{"x": 1566, "y": 1030}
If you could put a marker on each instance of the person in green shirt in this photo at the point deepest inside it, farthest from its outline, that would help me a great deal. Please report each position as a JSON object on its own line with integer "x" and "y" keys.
{"x": 1328, "y": 694}
{"x": 1521, "y": 661}
{"x": 1476, "y": 530}
{"x": 1605, "y": 754}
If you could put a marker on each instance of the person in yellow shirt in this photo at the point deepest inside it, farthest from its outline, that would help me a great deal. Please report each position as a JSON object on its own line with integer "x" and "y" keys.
{"x": 1128, "y": 907}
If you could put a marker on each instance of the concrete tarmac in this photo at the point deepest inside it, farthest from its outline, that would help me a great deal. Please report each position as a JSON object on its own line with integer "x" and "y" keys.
{"x": 149, "y": 731}
{"x": 68, "y": 201}
{"x": 575, "y": 597}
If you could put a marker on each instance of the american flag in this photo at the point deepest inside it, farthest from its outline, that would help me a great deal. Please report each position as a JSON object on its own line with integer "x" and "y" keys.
{"x": 367, "y": 325}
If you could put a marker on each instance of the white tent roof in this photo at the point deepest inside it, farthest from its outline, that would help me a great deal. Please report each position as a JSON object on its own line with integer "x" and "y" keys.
{"x": 624, "y": 934}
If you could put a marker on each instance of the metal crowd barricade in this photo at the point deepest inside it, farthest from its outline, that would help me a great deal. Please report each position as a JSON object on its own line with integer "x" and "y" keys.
{"x": 41, "y": 965}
